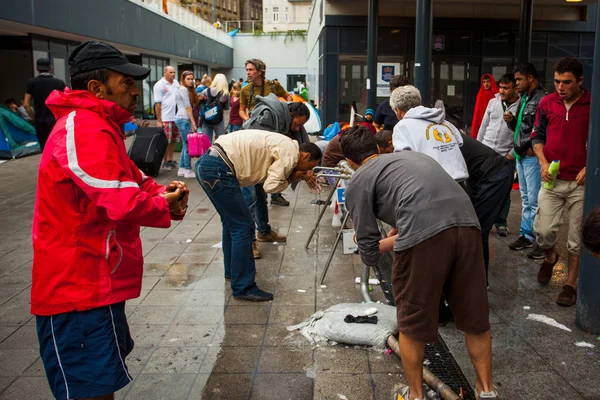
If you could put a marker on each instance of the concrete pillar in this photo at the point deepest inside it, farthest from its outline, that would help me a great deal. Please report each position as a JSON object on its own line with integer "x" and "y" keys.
{"x": 525, "y": 24}
{"x": 372, "y": 54}
{"x": 588, "y": 299}
{"x": 423, "y": 43}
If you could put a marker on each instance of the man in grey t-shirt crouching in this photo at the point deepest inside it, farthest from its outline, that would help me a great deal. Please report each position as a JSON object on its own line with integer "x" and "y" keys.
{"x": 437, "y": 247}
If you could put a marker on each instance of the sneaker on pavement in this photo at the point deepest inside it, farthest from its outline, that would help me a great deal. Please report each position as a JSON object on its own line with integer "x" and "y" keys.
{"x": 537, "y": 253}
{"x": 488, "y": 395}
{"x": 401, "y": 392}
{"x": 189, "y": 174}
{"x": 270, "y": 237}
{"x": 172, "y": 163}
{"x": 521, "y": 243}
{"x": 255, "y": 251}
{"x": 502, "y": 231}
{"x": 279, "y": 200}
{"x": 181, "y": 172}
{"x": 167, "y": 166}
{"x": 255, "y": 295}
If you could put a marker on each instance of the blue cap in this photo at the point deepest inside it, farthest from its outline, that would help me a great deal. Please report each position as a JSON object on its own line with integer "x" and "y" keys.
{"x": 370, "y": 111}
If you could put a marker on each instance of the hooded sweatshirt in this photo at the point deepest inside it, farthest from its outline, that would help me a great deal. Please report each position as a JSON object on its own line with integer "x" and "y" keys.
{"x": 483, "y": 98}
{"x": 425, "y": 130}
{"x": 494, "y": 132}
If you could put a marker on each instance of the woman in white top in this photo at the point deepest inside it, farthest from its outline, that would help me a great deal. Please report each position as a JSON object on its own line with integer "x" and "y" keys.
{"x": 215, "y": 102}
{"x": 186, "y": 99}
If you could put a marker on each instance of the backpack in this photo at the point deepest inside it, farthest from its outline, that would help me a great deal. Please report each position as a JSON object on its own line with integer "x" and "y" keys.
{"x": 213, "y": 109}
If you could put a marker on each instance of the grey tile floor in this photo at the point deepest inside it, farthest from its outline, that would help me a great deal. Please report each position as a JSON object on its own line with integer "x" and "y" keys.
{"x": 193, "y": 340}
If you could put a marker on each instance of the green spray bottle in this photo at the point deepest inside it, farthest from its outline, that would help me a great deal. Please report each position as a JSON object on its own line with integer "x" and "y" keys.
{"x": 553, "y": 170}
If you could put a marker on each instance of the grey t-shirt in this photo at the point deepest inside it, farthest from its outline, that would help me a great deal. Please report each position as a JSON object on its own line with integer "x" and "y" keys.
{"x": 407, "y": 190}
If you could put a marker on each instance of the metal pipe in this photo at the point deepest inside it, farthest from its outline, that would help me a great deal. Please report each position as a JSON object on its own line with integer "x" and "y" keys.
{"x": 365, "y": 271}
{"x": 430, "y": 379}
{"x": 525, "y": 24}
{"x": 372, "y": 54}
{"x": 588, "y": 302}
{"x": 423, "y": 43}
{"x": 333, "y": 189}
{"x": 337, "y": 241}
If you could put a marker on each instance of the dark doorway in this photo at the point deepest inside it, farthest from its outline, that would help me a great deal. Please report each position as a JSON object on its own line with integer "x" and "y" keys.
{"x": 293, "y": 81}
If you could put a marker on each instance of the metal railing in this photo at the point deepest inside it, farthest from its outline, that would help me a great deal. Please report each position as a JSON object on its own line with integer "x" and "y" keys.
{"x": 244, "y": 26}
{"x": 184, "y": 17}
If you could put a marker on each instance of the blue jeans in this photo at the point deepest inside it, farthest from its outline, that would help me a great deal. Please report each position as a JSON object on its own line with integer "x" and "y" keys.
{"x": 218, "y": 130}
{"x": 256, "y": 199}
{"x": 530, "y": 182}
{"x": 234, "y": 128}
{"x": 223, "y": 190}
{"x": 185, "y": 128}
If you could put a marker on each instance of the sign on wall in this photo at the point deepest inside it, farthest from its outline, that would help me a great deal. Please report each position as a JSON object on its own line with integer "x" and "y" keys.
{"x": 385, "y": 71}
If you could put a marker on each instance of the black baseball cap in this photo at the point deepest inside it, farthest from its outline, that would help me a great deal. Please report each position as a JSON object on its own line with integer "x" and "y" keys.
{"x": 94, "y": 55}
{"x": 43, "y": 64}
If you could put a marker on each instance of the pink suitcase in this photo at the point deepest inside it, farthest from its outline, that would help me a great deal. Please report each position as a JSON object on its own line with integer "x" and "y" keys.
{"x": 198, "y": 143}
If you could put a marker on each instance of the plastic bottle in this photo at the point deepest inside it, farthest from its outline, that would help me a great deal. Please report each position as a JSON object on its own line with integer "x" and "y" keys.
{"x": 553, "y": 170}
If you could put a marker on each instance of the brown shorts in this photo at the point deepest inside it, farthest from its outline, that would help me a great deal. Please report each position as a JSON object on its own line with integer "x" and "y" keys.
{"x": 451, "y": 263}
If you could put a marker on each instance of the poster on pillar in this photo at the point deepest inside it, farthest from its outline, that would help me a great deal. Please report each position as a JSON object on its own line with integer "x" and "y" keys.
{"x": 385, "y": 71}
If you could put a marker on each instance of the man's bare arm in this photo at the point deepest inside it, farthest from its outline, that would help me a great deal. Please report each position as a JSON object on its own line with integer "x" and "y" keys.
{"x": 27, "y": 104}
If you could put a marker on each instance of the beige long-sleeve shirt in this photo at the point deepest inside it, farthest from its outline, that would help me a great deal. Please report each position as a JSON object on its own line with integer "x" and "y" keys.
{"x": 261, "y": 157}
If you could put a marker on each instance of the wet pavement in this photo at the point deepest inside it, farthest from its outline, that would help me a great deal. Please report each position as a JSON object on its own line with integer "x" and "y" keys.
{"x": 193, "y": 340}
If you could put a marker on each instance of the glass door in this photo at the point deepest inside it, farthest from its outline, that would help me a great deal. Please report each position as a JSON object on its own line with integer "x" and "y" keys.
{"x": 450, "y": 77}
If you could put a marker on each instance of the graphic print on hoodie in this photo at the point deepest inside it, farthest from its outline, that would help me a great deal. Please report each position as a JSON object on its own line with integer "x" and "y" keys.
{"x": 425, "y": 130}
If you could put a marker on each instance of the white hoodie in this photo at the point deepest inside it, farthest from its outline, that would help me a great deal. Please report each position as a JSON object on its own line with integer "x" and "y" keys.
{"x": 425, "y": 130}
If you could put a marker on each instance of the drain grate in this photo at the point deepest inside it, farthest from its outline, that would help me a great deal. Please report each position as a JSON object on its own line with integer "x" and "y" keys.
{"x": 438, "y": 358}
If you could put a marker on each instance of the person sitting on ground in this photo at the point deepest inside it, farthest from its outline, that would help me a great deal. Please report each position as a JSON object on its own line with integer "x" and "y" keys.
{"x": 425, "y": 130}
{"x": 490, "y": 182}
{"x": 385, "y": 117}
{"x": 91, "y": 200}
{"x": 487, "y": 91}
{"x": 244, "y": 159}
{"x": 384, "y": 141}
{"x": 435, "y": 252}
{"x": 273, "y": 115}
{"x": 590, "y": 232}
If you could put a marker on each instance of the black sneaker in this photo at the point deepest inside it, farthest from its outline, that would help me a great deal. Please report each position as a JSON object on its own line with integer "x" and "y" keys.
{"x": 279, "y": 200}
{"x": 502, "y": 230}
{"x": 255, "y": 295}
{"x": 537, "y": 253}
{"x": 521, "y": 243}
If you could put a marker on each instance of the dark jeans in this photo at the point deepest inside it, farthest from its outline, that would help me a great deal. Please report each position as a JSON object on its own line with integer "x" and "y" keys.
{"x": 223, "y": 190}
{"x": 503, "y": 216}
{"x": 488, "y": 198}
{"x": 256, "y": 199}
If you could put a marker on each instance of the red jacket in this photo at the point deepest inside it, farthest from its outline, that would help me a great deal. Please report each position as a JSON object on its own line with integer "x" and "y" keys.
{"x": 563, "y": 134}
{"x": 91, "y": 201}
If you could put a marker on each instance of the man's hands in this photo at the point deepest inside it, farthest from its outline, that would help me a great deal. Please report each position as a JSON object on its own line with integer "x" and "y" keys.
{"x": 581, "y": 177}
{"x": 177, "y": 194}
{"x": 510, "y": 157}
{"x": 392, "y": 232}
{"x": 546, "y": 176}
{"x": 311, "y": 180}
{"x": 159, "y": 124}
{"x": 507, "y": 116}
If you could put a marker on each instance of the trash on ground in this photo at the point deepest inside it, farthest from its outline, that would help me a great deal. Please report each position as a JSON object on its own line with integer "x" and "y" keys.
{"x": 584, "y": 344}
{"x": 372, "y": 281}
{"x": 189, "y": 241}
{"x": 548, "y": 321}
{"x": 218, "y": 245}
{"x": 301, "y": 291}
{"x": 371, "y": 311}
{"x": 526, "y": 308}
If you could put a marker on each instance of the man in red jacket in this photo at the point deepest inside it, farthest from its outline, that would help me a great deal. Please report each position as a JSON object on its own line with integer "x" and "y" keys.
{"x": 90, "y": 203}
{"x": 561, "y": 133}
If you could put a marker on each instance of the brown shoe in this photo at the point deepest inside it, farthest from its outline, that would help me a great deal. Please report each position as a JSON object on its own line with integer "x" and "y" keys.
{"x": 255, "y": 251}
{"x": 568, "y": 296}
{"x": 270, "y": 237}
{"x": 545, "y": 272}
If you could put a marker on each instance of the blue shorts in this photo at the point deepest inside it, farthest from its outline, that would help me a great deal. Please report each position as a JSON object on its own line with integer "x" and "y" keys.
{"x": 84, "y": 351}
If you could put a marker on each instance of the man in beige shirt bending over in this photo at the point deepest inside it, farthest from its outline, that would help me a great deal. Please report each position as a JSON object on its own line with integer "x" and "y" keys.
{"x": 246, "y": 158}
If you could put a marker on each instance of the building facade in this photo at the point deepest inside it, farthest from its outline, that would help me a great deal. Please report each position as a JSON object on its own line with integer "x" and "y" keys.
{"x": 468, "y": 41}
{"x": 286, "y": 15}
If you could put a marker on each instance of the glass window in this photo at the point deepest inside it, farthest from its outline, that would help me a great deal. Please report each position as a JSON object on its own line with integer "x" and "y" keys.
{"x": 356, "y": 72}
{"x": 539, "y": 45}
{"x": 352, "y": 86}
{"x": 286, "y": 14}
{"x": 353, "y": 41}
{"x": 275, "y": 14}
{"x": 563, "y": 45}
{"x": 498, "y": 44}
{"x": 266, "y": 13}
{"x": 37, "y": 54}
{"x": 587, "y": 45}
{"x": 343, "y": 71}
{"x": 60, "y": 68}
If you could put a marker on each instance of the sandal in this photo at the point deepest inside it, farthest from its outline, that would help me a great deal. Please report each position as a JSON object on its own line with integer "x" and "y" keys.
{"x": 545, "y": 272}
{"x": 568, "y": 296}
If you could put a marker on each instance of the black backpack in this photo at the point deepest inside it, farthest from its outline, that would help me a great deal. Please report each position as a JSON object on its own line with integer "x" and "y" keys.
{"x": 213, "y": 109}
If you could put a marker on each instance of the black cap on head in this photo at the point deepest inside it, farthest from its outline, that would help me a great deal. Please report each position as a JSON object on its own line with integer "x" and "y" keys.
{"x": 43, "y": 64}
{"x": 94, "y": 55}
